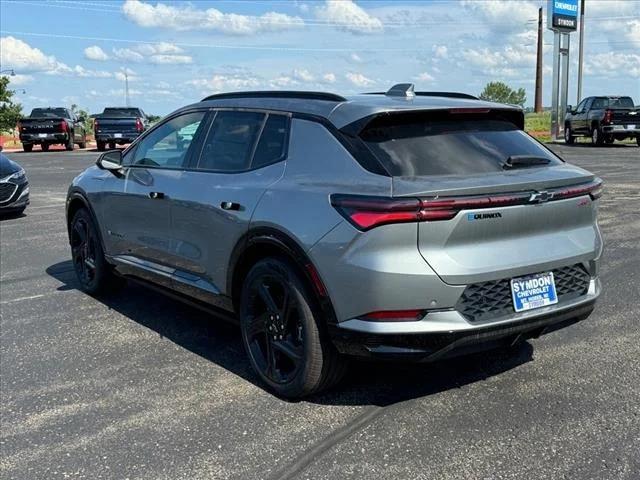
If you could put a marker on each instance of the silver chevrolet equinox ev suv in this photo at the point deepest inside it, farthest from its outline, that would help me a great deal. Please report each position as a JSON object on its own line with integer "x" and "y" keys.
{"x": 397, "y": 225}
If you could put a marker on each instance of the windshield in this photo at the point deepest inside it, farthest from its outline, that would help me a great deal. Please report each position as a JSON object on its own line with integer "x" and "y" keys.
{"x": 122, "y": 112}
{"x": 413, "y": 147}
{"x": 49, "y": 112}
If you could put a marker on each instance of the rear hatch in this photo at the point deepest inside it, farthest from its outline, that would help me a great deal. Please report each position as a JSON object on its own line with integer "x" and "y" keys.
{"x": 494, "y": 203}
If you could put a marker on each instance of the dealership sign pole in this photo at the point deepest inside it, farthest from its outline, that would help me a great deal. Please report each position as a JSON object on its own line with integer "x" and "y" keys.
{"x": 562, "y": 19}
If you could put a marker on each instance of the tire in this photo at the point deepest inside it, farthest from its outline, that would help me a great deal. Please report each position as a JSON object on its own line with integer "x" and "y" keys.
{"x": 569, "y": 139}
{"x": 283, "y": 332}
{"x": 597, "y": 138}
{"x": 45, "y": 147}
{"x": 27, "y": 147}
{"x": 101, "y": 146}
{"x": 112, "y": 145}
{"x": 69, "y": 146}
{"x": 82, "y": 145}
{"x": 94, "y": 274}
{"x": 638, "y": 140}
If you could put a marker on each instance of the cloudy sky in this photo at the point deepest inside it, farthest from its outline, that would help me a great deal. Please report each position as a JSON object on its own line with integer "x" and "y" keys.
{"x": 176, "y": 52}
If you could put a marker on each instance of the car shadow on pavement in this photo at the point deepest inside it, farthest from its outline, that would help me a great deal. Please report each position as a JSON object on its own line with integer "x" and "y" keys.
{"x": 367, "y": 383}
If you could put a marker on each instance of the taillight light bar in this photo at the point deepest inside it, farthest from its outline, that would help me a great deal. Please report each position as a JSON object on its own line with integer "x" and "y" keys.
{"x": 139, "y": 125}
{"x": 63, "y": 126}
{"x": 367, "y": 212}
{"x": 608, "y": 116}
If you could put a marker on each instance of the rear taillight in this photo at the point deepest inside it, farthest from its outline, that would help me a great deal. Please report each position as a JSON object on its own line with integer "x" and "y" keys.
{"x": 394, "y": 316}
{"x": 593, "y": 189}
{"x": 608, "y": 116}
{"x": 64, "y": 127}
{"x": 365, "y": 212}
{"x": 139, "y": 125}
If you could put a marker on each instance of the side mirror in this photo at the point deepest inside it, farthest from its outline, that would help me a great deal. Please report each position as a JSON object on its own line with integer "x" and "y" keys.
{"x": 569, "y": 109}
{"x": 111, "y": 160}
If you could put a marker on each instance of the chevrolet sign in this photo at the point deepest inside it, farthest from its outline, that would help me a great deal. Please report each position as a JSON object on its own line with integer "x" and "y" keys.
{"x": 562, "y": 15}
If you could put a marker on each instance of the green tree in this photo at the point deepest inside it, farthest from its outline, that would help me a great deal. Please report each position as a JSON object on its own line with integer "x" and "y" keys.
{"x": 10, "y": 112}
{"x": 80, "y": 112}
{"x": 503, "y": 93}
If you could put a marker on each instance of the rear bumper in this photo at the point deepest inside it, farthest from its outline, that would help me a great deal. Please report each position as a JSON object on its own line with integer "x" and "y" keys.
{"x": 447, "y": 333}
{"x": 110, "y": 137}
{"x": 622, "y": 130}
{"x": 47, "y": 138}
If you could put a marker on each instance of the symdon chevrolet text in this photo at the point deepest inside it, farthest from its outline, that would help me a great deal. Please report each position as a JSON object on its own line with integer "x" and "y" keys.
{"x": 399, "y": 225}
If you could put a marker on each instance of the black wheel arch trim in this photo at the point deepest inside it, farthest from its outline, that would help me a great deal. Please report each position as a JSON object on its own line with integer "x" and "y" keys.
{"x": 287, "y": 245}
{"x": 76, "y": 194}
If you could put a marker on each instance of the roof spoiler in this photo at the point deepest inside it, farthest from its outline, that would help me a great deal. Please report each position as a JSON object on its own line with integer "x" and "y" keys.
{"x": 407, "y": 90}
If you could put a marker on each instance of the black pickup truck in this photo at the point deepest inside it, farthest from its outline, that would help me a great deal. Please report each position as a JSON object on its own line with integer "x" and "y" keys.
{"x": 51, "y": 126}
{"x": 604, "y": 119}
{"x": 119, "y": 125}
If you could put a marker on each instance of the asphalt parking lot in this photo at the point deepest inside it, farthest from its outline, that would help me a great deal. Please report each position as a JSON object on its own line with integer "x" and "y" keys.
{"x": 139, "y": 386}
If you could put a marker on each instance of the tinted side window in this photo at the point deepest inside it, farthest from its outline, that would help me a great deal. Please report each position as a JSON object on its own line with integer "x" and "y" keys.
{"x": 599, "y": 103}
{"x": 231, "y": 140}
{"x": 167, "y": 145}
{"x": 271, "y": 146}
{"x": 581, "y": 105}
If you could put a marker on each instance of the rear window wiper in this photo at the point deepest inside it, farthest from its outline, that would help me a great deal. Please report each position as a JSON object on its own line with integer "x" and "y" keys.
{"x": 523, "y": 161}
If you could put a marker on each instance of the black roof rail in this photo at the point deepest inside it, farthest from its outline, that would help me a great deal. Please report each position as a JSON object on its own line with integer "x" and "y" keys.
{"x": 303, "y": 95}
{"x": 434, "y": 94}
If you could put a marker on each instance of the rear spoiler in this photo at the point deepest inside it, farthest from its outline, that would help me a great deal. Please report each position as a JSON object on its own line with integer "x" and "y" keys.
{"x": 512, "y": 115}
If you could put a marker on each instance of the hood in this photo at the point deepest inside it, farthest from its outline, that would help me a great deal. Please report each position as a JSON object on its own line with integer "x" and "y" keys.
{"x": 7, "y": 167}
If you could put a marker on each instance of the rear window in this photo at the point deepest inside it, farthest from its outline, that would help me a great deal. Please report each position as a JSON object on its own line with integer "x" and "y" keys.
{"x": 613, "y": 102}
{"x": 48, "y": 112}
{"x": 122, "y": 112}
{"x": 411, "y": 145}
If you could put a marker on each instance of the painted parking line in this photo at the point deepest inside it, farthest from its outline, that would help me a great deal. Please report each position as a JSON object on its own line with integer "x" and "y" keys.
{"x": 20, "y": 299}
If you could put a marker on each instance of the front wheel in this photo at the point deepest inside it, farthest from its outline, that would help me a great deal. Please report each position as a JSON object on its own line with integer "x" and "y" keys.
{"x": 283, "y": 334}
{"x": 568, "y": 136}
{"x": 638, "y": 140}
{"x": 82, "y": 145}
{"x": 92, "y": 270}
{"x": 112, "y": 145}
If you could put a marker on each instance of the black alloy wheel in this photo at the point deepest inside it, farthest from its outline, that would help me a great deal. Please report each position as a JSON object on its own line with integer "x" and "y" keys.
{"x": 94, "y": 273}
{"x": 280, "y": 331}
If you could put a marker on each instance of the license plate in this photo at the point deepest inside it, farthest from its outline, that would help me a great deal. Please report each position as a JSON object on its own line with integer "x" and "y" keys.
{"x": 42, "y": 135}
{"x": 533, "y": 291}
{"x": 117, "y": 135}
{"x": 631, "y": 127}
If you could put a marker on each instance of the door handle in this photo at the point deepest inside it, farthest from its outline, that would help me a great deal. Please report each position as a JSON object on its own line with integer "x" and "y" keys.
{"x": 230, "y": 206}
{"x": 156, "y": 195}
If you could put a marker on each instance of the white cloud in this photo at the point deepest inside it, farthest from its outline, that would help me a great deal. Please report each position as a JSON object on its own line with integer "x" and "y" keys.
{"x": 170, "y": 59}
{"x": 95, "y": 53}
{"x": 611, "y": 65}
{"x": 359, "y": 80}
{"x": 329, "y": 77}
{"x": 128, "y": 55}
{"x": 188, "y": 17}
{"x": 21, "y": 56}
{"x": 282, "y": 81}
{"x": 85, "y": 73}
{"x": 226, "y": 82}
{"x": 348, "y": 16}
{"x": 157, "y": 53}
{"x": 356, "y": 58}
{"x": 20, "y": 79}
{"x": 440, "y": 51}
{"x": 424, "y": 77}
{"x": 504, "y": 16}
{"x": 303, "y": 75}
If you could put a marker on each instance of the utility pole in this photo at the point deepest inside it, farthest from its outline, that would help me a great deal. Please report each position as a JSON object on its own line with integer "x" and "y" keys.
{"x": 538, "y": 100}
{"x": 581, "y": 52}
{"x": 126, "y": 88}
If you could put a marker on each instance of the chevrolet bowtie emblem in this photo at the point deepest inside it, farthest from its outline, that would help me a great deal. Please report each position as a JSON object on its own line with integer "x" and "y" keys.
{"x": 540, "y": 197}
